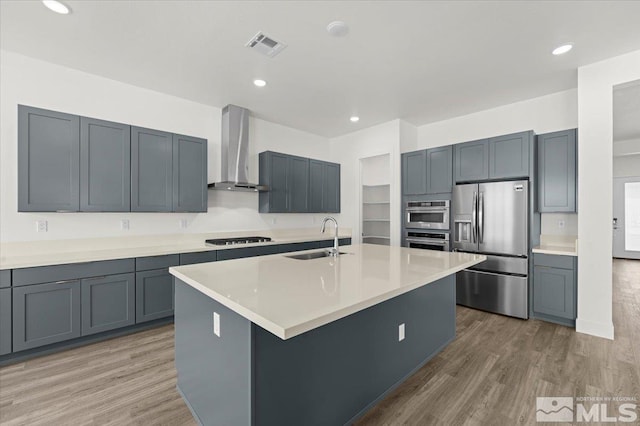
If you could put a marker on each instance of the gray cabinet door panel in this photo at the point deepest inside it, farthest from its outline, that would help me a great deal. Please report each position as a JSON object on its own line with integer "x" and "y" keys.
{"x": 554, "y": 292}
{"x": 151, "y": 170}
{"x": 331, "y": 188}
{"x": 471, "y": 161}
{"x": 414, "y": 173}
{"x": 157, "y": 262}
{"x": 509, "y": 156}
{"x": 189, "y": 174}
{"x": 439, "y": 170}
{"x": 107, "y": 303}
{"x": 316, "y": 185}
{"x": 298, "y": 184}
{"x": 42, "y": 274}
{"x": 105, "y": 166}
{"x": 5, "y": 321}
{"x": 5, "y": 278}
{"x": 45, "y": 314}
{"x": 48, "y": 160}
{"x": 154, "y": 295}
{"x": 557, "y": 174}
{"x": 273, "y": 172}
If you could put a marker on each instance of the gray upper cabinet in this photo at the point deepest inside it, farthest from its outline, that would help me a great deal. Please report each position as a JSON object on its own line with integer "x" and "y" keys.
{"x": 105, "y": 166}
{"x": 273, "y": 172}
{"x": 414, "y": 173}
{"x": 439, "y": 170}
{"x": 471, "y": 161}
{"x": 557, "y": 172}
{"x": 107, "y": 303}
{"x": 324, "y": 187}
{"x": 48, "y": 160}
{"x": 298, "y": 184}
{"x": 509, "y": 155}
{"x": 189, "y": 174}
{"x": 151, "y": 170}
{"x": 45, "y": 313}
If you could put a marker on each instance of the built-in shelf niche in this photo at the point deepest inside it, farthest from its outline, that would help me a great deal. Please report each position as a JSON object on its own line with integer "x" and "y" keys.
{"x": 376, "y": 200}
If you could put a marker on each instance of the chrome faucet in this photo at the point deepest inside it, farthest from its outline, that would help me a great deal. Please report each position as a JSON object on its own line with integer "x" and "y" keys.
{"x": 336, "y": 249}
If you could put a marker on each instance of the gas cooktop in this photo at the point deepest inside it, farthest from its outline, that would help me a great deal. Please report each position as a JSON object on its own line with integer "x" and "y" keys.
{"x": 237, "y": 240}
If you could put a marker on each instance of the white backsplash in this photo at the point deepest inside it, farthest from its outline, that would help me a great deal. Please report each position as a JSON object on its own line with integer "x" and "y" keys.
{"x": 559, "y": 224}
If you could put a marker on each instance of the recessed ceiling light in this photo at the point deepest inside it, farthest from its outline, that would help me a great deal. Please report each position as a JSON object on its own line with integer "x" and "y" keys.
{"x": 260, "y": 83}
{"x": 562, "y": 49}
{"x": 56, "y": 6}
{"x": 354, "y": 119}
{"x": 337, "y": 28}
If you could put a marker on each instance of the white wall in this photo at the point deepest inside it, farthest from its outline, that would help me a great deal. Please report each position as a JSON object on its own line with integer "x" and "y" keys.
{"x": 595, "y": 179}
{"x": 348, "y": 150}
{"x": 557, "y": 111}
{"x": 626, "y": 158}
{"x": 33, "y": 82}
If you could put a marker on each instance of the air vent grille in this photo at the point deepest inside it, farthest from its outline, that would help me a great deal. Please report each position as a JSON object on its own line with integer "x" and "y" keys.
{"x": 265, "y": 45}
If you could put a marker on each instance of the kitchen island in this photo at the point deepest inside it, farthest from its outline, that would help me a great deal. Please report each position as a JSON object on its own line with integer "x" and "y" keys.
{"x": 276, "y": 340}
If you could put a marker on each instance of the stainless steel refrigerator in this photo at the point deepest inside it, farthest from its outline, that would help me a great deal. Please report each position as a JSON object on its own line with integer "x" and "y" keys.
{"x": 492, "y": 219}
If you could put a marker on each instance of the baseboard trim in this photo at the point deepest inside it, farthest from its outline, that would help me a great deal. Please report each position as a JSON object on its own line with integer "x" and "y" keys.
{"x": 598, "y": 329}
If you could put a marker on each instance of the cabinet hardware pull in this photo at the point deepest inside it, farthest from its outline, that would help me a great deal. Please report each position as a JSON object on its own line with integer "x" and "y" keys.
{"x": 64, "y": 281}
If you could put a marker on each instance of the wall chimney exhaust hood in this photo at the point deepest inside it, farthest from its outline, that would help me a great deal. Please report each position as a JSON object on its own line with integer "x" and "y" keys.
{"x": 235, "y": 152}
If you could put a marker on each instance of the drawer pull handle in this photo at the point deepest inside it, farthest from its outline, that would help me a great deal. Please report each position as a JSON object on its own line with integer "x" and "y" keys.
{"x": 64, "y": 281}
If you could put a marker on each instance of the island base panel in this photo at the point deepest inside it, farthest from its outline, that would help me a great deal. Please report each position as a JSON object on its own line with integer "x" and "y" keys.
{"x": 329, "y": 375}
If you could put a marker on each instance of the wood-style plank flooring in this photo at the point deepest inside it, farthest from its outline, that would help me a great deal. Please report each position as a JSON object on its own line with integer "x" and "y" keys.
{"x": 490, "y": 375}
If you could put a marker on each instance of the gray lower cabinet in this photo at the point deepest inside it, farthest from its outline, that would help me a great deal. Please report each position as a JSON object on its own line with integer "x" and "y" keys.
{"x": 509, "y": 155}
{"x": 555, "y": 288}
{"x": 154, "y": 295}
{"x": 5, "y": 321}
{"x": 105, "y": 166}
{"x": 45, "y": 313}
{"x": 414, "y": 173}
{"x": 151, "y": 170}
{"x": 48, "y": 160}
{"x": 324, "y": 187}
{"x": 557, "y": 172}
{"x": 107, "y": 303}
{"x": 189, "y": 174}
{"x": 471, "y": 161}
{"x": 439, "y": 170}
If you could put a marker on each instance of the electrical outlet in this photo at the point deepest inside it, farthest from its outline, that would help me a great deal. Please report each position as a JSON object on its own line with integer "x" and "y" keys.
{"x": 401, "y": 332}
{"x": 183, "y": 223}
{"x": 42, "y": 226}
{"x": 216, "y": 324}
{"x": 124, "y": 224}
{"x": 561, "y": 223}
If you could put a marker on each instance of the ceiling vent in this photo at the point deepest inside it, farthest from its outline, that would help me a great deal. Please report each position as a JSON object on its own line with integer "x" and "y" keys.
{"x": 265, "y": 45}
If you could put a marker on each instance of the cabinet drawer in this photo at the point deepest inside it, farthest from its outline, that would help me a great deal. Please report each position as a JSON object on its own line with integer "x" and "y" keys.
{"x": 157, "y": 262}
{"x": 5, "y": 278}
{"x": 553, "y": 261}
{"x": 198, "y": 257}
{"x": 42, "y": 274}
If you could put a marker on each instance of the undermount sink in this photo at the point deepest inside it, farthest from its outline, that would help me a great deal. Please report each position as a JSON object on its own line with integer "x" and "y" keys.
{"x": 312, "y": 255}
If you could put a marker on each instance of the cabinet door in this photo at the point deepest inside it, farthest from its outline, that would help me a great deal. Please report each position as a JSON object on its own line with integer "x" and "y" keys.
{"x": 48, "y": 160}
{"x": 439, "y": 170}
{"x": 5, "y": 321}
{"x": 105, "y": 166}
{"x": 151, "y": 170}
{"x": 316, "y": 185}
{"x": 107, "y": 303}
{"x": 509, "y": 156}
{"x": 189, "y": 174}
{"x": 331, "y": 188}
{"x": 557, "y": 172}
{"x": 414, "y": 173}
{"x": 273, "y": 172}
{"x": 154, "y": 295}
{"x": 471, "y": 161}
{"x": 298, "y": 184}
{"x": 45, "y": 314}
{"x": 554, "y": 291}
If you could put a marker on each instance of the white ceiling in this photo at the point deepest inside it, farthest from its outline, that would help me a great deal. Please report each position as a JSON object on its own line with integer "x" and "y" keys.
{"x": 419, "y": 61}
{"x": 626, "y": 112}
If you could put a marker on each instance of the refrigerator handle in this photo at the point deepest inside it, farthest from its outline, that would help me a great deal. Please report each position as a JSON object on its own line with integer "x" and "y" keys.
{"x": 481, "y": 218}
{"x": 474, "y": 217}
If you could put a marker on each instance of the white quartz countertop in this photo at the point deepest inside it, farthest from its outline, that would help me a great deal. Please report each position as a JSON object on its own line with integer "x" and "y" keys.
{"x": 555, "y": 250}
{"x": 560, "y": 245}
{"x": 288, "y": 297}
{"x": 59, "y": 252}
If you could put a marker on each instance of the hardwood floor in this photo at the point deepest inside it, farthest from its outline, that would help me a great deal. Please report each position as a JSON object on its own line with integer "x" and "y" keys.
{"x": 490, "y": 375}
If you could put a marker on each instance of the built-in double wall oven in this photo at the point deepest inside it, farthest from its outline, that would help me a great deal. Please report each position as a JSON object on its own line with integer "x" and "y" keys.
{"x": 428, "y": 240}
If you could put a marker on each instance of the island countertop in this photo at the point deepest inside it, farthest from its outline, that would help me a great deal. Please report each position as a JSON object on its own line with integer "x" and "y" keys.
{"x": 288, "y": 297}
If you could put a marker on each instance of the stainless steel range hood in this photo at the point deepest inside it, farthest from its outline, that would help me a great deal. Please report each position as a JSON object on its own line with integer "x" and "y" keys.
{"x": 235, "y": 152}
